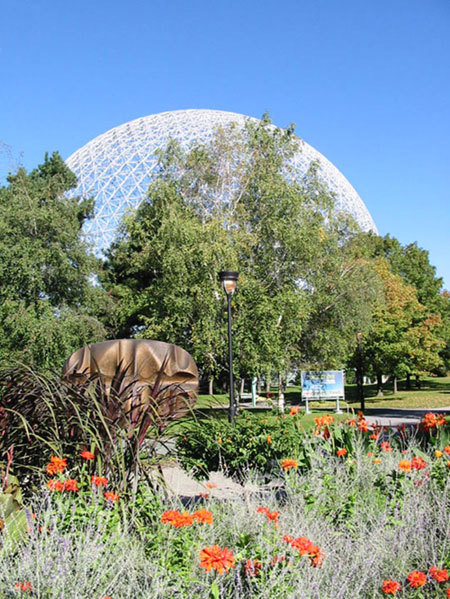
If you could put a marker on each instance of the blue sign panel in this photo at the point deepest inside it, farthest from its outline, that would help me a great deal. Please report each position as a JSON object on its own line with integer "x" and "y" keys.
{"x": 322, "y": 384}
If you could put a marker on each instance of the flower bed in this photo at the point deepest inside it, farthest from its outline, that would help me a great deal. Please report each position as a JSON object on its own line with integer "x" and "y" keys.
{"x": 369, "y": 522}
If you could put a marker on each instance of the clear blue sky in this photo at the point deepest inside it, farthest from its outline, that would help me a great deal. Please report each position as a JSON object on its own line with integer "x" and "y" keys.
{"x": 366, "y": 83}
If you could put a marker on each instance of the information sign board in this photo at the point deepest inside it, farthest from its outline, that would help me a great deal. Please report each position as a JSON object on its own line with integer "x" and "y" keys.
{"x": 322, "y": 385}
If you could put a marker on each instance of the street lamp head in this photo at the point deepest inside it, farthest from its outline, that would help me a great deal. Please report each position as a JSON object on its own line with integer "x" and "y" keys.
{"x": 229, "y": 279}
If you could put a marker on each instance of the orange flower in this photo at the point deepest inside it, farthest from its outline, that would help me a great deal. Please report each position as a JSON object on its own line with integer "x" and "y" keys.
{"x": 269, "y": 439}
{"x": 56, "y": 465}
{"x": 99, "y": 480}
{"x": 289, "y": 463}
{"x": 316, "y": 557}
{"x": 109, "y": 496}
{"x": 447, "y": 449}
{"x": 417, "y": 578}
{"x": 70, "y": 485}
{"x": 24, "y": 586}
{"x": 418, "y": 463}
{"x": 252, "y": 567}
{"x": 216, "y": 558}
{"x": 404, "y": 465}
{"x": 438, "y": 454}
{"x": 390, "y": 587}
{"x": 447, "y": 592}
{"x": 177, "y": 519}
{"x": 351, "y": 422}
{"x": 271, "y": 516}
{"x": 370, "y": 454}
{"x": 55, "y": 485}
{"x": 384, "y": 446}
{"x": 438, "y": 575}
{"x": 341, "y": 452}
{"x": 211, "y": 485}
{"x": 203, "y": 516}
{"x": 363, "y": 425}
{"x": 87, "y": 455}
{"x": 377, "y": 461}
{"x": 294, "y": 410}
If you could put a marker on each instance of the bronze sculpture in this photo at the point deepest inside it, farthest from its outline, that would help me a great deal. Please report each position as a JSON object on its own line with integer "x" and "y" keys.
{"x": 139, "y": 364}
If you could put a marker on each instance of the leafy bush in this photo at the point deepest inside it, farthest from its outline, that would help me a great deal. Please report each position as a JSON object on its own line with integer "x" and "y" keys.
{"x": 251, "y": 442}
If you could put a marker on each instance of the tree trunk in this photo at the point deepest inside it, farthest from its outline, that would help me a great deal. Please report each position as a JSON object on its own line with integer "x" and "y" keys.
{"x": 395, "y": 385}
{"x": 242, "y": 387}
{"x": 418, "y": 382}
{"x": 258, "y": 386}
{"x": 211, "y": 386}
{"x": 379, "y": 384}
{"x": 267, "y": 384}
{"x": 408, "y": 381}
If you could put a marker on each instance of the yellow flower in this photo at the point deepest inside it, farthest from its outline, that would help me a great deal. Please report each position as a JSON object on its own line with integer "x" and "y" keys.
{"x": 438, "y": 454}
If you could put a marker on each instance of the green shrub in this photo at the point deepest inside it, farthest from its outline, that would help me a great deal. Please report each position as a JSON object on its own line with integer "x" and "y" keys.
{"x": 251, "y": 442}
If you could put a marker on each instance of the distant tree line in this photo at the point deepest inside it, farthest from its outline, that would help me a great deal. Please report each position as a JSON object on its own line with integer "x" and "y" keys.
{"x": 309, "y": 278}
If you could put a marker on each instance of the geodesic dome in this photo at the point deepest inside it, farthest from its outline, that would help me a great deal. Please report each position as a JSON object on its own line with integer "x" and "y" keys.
{"x": 117, "y": 166}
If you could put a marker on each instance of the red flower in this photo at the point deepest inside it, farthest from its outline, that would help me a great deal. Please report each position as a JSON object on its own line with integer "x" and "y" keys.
{"x": 109, "y": 496}
{"x": 203, "y": 516}
{"x": 417, "y": 578}
{"x": 447, "y": 449}
{"x": 438, "y": 575}
{"x": 216, "y": 558}
{"x": 418, "y": 463}
{"x": 390, "y": 587}
{"x": 271, "y": 516}
{"x": 341, "y": 452}
{"x": 55, "y": 485}
{"x": 252, "y": 567}
{"x": 294, "y": 410}
{"x": 99, "y": 480}
{"x": 24, "y": 586}
{"x": 385, "y": 446}
{"x": 70, "y": 485}
{"x": 56, "y": 465}
{"x": 87, "y": 455}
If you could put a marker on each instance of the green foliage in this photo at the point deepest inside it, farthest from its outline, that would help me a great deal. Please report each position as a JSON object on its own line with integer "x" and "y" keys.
{"x": 236, "y": 203}
{"x": 48, "y": 304}
{"x": 13, "y": 516}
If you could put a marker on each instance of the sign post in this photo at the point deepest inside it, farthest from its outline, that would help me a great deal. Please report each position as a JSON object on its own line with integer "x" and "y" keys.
{"x": 320, "y": 385}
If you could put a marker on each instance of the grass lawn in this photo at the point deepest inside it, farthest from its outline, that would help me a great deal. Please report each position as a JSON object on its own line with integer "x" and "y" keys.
{"x": 434, "y": 393}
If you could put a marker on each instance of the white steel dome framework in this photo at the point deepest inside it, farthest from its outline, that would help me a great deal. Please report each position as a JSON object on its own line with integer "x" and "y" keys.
{"x": 116, "y": 167}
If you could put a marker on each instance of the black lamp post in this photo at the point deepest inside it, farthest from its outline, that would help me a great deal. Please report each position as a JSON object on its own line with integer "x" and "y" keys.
{"x": 229, "y": 279}
{"x": 359, "y": 370}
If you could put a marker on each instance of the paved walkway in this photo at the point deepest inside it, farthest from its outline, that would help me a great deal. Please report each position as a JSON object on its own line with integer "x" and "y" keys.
{"x": 394, "y": 417}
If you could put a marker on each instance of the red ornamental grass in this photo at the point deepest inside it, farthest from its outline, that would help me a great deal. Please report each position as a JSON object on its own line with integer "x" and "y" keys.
{"x": 417, "y": 579}
{"x": 390, "y": 587}
{"x": 216, "y": 558}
